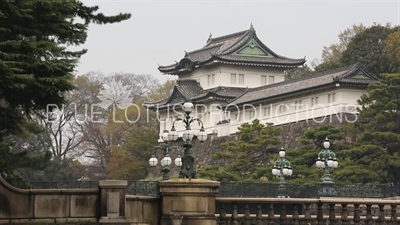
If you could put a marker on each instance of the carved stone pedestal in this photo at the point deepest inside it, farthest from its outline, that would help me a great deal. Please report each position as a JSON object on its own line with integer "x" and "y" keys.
{"x": 193, "y": 200}
{"x": 113, "y": 201}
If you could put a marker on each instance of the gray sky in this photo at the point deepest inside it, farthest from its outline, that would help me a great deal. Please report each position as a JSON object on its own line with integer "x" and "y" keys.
{"x": 160, "y": 31}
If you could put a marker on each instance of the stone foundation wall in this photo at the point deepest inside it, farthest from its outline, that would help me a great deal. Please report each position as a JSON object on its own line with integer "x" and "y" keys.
{"x": 290, "y": 137}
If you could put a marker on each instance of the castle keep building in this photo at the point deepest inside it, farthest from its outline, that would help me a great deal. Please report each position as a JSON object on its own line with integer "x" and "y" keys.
{"x": 236, "y": 78}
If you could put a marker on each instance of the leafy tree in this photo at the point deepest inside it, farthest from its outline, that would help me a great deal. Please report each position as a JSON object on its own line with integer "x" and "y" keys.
{"x": 332, "y": 54}
{"x": 392, "y": 47}
{"x": 133, "y": 136}
{"x": 367, "y": 45}
{"x": 35, "y": 64}
{"x": 298, "y": 72}
{"x": 162, "y": 91}
{"x": 368, "y": 48}
{"x": 248, "y": 157}
{"x": 98, "y": 142}
{"x": 376, "y": 156}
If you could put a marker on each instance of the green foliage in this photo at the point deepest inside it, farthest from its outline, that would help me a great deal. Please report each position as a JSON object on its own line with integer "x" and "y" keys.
{"x": 325, "y": 66}
{"x": 134, "y": 142}
{"x": 303, "y": 158}
{"x": 332, "y": 54}
{"x": 377, "y": 147}
{"x": 248, "y": 157}
{"x": 302, "y": 161}
{"x": 315, "y": 136}
{"x": 298, "y": 72}
{"x": 23, "y": 152}
{"x": 392, "y": 47}
{"x": 55, "y": 170}
{"x": 35, "y": 65}
{"x": 368, "y": 48}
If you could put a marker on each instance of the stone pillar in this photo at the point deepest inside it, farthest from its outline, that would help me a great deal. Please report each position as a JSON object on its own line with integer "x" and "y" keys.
{"x": 112, "y": 201}
{"x": 192, "y": 200}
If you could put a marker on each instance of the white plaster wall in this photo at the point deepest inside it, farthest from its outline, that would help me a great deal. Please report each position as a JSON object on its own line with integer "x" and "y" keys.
{"x": 345, "y": 101}
{"x": 222, "y": 73}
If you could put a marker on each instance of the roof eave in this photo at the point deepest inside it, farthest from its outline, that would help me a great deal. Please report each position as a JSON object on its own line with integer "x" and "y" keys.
{"x": 280, "y": 96}
{"x": 293, "y": 65}
{"x": 307, "y": 90}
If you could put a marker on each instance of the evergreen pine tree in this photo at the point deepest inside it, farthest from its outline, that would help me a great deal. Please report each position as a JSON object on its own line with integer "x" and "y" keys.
{"x": 376, "y": 156}
{"x": 36, "y": 66}
{"x": 249, "y": 157}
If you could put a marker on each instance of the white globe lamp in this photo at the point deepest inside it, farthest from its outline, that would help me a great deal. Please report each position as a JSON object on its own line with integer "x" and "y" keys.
{"x": 187, "y": 107}
{"x": 187, "y": 135}
{"x": 153, "y": 160}
{"x": 202, "y": 135}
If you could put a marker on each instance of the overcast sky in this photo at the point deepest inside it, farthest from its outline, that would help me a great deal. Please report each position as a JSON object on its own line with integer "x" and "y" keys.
{"x": 160, "y": 31}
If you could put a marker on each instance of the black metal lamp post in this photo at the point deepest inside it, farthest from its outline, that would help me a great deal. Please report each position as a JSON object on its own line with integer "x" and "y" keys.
{"x": 282, "y": 168}
{"x": 187, "y": 169}
{"x": 326, "y": 159}
{"x": 166, "y": 161}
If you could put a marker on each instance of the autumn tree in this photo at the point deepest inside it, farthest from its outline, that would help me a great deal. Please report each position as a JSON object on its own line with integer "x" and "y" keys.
{"x": 134, "y": 132}
{"x": 247, "y": 158}
{"x": 105, "y": 134}
{"x": 35, "y": 64}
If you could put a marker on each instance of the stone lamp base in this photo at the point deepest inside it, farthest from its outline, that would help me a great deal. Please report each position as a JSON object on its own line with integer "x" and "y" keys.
{"x": 188, "y": 201}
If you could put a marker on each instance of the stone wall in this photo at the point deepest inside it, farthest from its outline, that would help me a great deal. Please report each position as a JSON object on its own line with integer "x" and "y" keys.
{"x": 290, "y": 137}
{"x": 107, "y": 204}
{"x": 61, "y": 205}
{"x": 143, "y": 209}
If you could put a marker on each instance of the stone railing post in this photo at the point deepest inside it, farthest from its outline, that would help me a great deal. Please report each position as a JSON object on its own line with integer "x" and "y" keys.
{"x": 112, "y": 201}
{"x": 188, "y": 201}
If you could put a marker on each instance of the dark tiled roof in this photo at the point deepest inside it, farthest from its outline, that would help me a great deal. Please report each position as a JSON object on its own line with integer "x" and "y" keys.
{"x": 340, "y": 75}
{"x": 190, "y": 90}
{"x": 203, "y": 54}
{"x": 264, "y": 60}
{"x": 221, "y": 92}
{"x": 219, "y": 50}
{"x": 229, "y": 91}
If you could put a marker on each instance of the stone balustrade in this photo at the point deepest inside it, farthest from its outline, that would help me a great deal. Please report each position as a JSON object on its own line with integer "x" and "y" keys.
{"x": 318, "y": 211}
{"x": 185, "y": 202}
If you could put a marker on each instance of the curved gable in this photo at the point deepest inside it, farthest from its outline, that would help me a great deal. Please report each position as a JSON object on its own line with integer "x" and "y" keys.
{"x": 253, "y": 48}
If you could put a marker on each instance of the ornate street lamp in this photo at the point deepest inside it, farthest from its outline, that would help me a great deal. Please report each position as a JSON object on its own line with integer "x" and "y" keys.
{"x": 187, "y": 169}
{"x": 166, "y": 161}
{"x": 326, "y": 159}
{"x": 282, "y": 168}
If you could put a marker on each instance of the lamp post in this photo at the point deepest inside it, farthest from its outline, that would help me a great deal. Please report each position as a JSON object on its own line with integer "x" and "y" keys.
{"x": 326, "y": 159}
{"x": 187, "y": 169}
{"x": 282, "y": 168}
{"x": 166, "y": 161}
